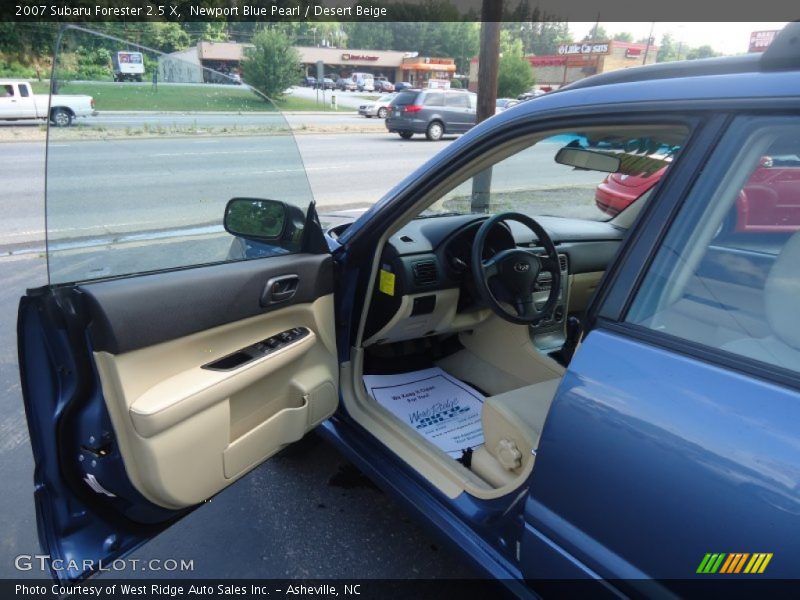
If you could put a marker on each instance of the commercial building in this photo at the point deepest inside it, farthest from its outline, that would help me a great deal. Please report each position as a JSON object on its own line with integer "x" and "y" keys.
{"x": 187, "y": 66}
{"x": 575, "y": 61}
{"x": 226, "y": 57}
{"x": 383, "y": 63}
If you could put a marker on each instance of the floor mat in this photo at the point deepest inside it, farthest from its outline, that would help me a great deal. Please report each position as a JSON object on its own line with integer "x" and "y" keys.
{"x": 442, "y": 408}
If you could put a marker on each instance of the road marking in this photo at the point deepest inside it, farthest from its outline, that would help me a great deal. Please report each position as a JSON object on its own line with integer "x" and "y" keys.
{"x": 216, "y": 152}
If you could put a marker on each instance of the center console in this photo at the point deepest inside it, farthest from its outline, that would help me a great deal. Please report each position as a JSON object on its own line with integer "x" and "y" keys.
{"x": 549, "y": 334}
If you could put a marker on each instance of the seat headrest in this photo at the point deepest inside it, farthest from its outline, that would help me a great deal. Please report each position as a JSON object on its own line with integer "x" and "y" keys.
{"x": 782, "y": 293}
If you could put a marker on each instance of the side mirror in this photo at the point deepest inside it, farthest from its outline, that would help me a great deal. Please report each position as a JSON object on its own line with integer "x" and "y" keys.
{"x": 587, "y": 159}
{"x": 260, "y": 219}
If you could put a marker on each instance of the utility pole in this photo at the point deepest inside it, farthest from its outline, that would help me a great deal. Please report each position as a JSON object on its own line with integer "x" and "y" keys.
{"x": 489, "y": 58}
{"x": 488, "y": 66}
{"x": 649, "y": 43}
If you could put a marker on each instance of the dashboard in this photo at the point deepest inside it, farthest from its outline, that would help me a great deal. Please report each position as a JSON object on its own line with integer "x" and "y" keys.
{"x": 425, "y": 284}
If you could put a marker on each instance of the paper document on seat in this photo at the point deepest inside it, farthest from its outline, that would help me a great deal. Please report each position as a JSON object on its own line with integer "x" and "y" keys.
{"x": 440, "y": 407}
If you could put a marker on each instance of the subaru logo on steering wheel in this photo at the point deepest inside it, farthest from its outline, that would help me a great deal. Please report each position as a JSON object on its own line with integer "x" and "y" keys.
{"x": 522, "y": 267}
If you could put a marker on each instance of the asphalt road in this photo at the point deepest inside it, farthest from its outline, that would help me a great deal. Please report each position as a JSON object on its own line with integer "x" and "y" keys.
{"x": 343, "y": 170}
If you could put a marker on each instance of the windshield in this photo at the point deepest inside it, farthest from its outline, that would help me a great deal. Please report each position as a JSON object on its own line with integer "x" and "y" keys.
{"x": 143, "y": 184}
{"x": 540, "y": 181}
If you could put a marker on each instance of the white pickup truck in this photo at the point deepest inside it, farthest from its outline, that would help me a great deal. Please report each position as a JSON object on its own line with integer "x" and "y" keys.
{"x": 17, "y": 101}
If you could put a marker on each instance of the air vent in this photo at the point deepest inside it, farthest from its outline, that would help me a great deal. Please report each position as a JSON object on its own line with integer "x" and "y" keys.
{"x": 425, "y": 272}
{"x": 562, "y": 260}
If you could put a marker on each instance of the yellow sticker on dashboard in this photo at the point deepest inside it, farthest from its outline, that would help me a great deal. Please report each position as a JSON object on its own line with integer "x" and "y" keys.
{"x": 386, "y": 282}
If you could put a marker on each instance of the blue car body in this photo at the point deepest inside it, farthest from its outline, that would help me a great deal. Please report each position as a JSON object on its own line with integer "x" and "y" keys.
{"x": 655, "y": 451}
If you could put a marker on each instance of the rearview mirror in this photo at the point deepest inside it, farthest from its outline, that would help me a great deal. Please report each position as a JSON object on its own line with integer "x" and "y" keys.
{"x": 255, "y": 218}
{"x": 588, "y": 159}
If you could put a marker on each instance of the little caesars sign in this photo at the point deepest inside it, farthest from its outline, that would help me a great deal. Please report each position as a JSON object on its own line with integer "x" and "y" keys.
{"x": 583, "y": 48}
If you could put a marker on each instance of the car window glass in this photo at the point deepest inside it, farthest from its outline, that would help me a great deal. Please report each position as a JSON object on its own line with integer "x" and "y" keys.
{"x": 23, "y": 91}
{"x": 433, "y": 100}
{"x": 145, "y": 189}
{"x": 456, "y": 99}
{"x": 8, "y": 90}
{"x": 532, "y": 182}
{"x": 726, "y": 275}
{"x": 405, "y": 98}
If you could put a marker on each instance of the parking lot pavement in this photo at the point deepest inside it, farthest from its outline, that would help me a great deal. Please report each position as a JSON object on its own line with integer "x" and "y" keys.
{"x": 343, "y": 99}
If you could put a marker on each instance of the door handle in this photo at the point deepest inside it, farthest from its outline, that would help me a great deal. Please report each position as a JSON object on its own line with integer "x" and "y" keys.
{"x": 279, "y": 289}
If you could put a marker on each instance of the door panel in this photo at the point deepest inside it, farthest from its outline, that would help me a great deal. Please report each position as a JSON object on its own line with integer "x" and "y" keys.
{"x": 126, "y": 441}
{"x": 185, "y": 431}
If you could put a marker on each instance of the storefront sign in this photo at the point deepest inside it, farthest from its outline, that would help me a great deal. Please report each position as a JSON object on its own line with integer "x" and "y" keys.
{"x": 760, "y": 40}
{"x": 583, "y": 48}
{"x": 358, "y": 57}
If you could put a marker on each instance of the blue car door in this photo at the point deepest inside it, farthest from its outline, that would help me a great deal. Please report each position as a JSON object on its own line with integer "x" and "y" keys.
{"x": 671, "y": 450}
{"x": 170, "y": 353}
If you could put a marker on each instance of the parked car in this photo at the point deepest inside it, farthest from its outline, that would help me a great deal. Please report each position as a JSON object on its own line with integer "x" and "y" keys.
{"x": 402, "y": 85}
{"x": 433, "y": 112}
{"x": 383, "y": 85}
{"x": 377, "y": 108}
{"x": 19, "y": 103}
{"x": 503, "y": 104}
{"x": 529, "y": 95}
{"x": 768, "y": 203}
{"x": 309, "y": 81}
{"x": 346, "y": 84}
{"x": 325, "y": 84}
{"x": 559, "y": 396}
{"x": 365, "y": 82}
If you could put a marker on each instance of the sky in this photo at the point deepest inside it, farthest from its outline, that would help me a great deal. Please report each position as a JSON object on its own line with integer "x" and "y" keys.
{"x": 728, "y": 38}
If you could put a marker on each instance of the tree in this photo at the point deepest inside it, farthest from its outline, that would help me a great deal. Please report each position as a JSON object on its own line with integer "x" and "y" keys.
{"x": 667, "y": 49}
{"x": 704, "y": 51}
{"x": 623, "y": 36}
{"x": 216, "y": 31}
{"x": 538, "y": 37}
{"x": 272, "y": 64}
{"x": 166, "y": 37}
{"x": 598, "y": 34}
{"x": 515, "y": 74}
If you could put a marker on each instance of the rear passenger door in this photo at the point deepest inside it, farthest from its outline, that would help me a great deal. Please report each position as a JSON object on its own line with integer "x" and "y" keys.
{"x": 671, "y": 450}
{"x": 168, "y": 357}
{"x": 459, "y": 114}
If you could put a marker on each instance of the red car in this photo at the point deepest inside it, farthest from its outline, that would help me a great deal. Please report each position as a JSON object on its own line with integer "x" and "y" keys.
{"x": 770, "y": 200}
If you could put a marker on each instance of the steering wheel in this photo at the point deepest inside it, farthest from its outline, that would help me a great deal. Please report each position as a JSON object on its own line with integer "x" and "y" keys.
{"x": 510, "y": 275}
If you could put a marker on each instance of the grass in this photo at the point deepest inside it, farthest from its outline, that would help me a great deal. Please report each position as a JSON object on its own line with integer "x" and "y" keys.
{"x": 184, "y": 98}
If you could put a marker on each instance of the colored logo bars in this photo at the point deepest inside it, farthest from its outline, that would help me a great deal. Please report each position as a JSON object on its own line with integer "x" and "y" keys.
{"x": 741, "y": 562}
